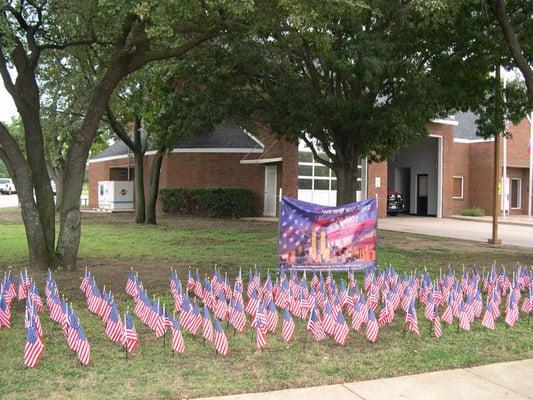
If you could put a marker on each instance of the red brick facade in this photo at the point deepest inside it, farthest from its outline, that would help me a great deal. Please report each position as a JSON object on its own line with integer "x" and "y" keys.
{"x": 208, "y": 169}
{"x": 473, "y": 161}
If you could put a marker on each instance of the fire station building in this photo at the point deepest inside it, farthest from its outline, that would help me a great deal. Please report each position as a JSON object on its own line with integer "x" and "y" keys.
{"x": 448, "y": 171}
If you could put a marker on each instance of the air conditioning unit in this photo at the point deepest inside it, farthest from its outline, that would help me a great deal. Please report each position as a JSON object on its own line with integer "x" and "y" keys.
{"x": 115, "y": 196}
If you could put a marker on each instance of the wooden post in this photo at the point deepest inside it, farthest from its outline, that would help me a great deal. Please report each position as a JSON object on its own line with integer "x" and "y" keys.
{"x": 496, "y": 195}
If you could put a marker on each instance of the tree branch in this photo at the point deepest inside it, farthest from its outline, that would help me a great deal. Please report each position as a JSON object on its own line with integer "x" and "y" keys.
{"x": 163, "y": 54}
{"x": 118, "y": 129}
{"x": 315, "y": 153}
{"x": 498, "y": 8}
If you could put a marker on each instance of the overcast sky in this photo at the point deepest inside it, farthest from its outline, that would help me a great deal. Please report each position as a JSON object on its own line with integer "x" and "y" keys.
{"x": 7, "y": 107}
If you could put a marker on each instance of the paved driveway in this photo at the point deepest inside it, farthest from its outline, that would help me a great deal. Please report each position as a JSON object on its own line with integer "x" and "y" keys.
{"x": 8, "y": 200}
{"x": 469, "y": 230}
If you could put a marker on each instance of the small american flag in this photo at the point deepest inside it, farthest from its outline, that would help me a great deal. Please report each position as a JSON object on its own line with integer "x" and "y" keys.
{"x": 5, "y": 313}
{"x": 178, "y": 345}
{"x": 207, "y": 326}
{"x": 131, "y": 284}
{"x": 341, "y": 331}
{"x": 315, "y": 325}
{"x": 328, "y": 322}
{"x": 372, "y": 327}
{"x": 237, "y": 316}
{"x": 113, "y": 327}
{"x": 221, "y": 341}
{"x": 82, "y": 346}
{"x": 196, "y": 321}
{"x": 411, "y": 319}
{"x": 33, "y": 348}
{"x": 488, "y": 318}
{"x": 24, "y": 284}
{"x": 358, "y": 317}
{"x": 512, "y": 313}
{"x": 131, "y": 341}
{"x": 437, "y": 328}
{"x": 260, "y": 323}
{"x": 464, "y": 321}
{"x": 221, "y": 308}
{"x": 288, "y": 327}
{"x": 272, "y": 317}
{"x": 33, "y": 293}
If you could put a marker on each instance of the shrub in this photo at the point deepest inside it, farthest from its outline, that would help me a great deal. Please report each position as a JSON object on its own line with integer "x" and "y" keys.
{"x": 474, "y": 212}
{"x": 208, "y": 202}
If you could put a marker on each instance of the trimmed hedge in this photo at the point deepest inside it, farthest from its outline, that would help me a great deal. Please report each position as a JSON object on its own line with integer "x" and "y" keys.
{"x": 208, "y": 202}
{"x": 474, "y": 212}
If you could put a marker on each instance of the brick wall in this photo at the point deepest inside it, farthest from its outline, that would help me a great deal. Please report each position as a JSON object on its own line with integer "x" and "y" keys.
{"x": 481, "y": 175}
{"x": 461, "y": 167}
{"x": 378, "y": 170}
{"x": 196, "y": 170}
{"x": 517, "y": 155}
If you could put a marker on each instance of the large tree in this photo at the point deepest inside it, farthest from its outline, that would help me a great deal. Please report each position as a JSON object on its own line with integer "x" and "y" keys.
{"x": 352, "y": 79}
{"x": 127, "y": 36}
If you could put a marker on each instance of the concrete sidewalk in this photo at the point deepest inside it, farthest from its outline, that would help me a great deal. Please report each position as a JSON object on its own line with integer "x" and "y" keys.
{"x": 511, "y": 380}
{"x": 522, "y": 220}
{"x": 458, "y": 229}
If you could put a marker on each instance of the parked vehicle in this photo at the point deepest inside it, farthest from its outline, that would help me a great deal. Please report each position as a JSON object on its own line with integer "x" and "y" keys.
{"x": 395, "y": 203}
{"x": 7, "y": 186}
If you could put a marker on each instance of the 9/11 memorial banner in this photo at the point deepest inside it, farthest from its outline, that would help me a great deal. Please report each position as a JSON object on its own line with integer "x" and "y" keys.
{"x": 313, "y": 237}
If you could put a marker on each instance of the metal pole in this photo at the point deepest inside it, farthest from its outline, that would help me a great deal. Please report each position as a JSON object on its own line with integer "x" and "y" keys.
{"x": 530, "y": 197}
{"x": 506, "y": 203}
{"x": 497, "y": 189}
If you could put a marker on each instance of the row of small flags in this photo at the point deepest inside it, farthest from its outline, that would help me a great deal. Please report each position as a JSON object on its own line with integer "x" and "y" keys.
{"x": 103, "y": 305}
{"x": 322, "y": 303}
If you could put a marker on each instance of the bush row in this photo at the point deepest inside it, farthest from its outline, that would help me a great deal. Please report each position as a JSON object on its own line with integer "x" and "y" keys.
{"x": 208, "y": 202}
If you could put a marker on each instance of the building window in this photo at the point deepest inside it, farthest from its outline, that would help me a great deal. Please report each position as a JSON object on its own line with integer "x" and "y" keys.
{"x": 313, "y": 175}
{"x": 458, "y": 187}
{"x": 516, "y": 193}
{"x": 305, "y": 184}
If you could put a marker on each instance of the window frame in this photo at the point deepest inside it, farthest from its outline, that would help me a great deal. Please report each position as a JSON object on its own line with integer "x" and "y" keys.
{"x": 519, "y": 180}
{"x": 330, "y": 177}
{"x": 462, "y": 178}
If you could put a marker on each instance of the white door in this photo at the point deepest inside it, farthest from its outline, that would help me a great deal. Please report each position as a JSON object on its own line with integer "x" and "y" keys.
{"x": 271, "y": 183}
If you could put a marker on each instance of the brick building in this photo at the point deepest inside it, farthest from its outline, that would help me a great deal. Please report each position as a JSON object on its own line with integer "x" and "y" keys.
{"x": 448, "y": 171}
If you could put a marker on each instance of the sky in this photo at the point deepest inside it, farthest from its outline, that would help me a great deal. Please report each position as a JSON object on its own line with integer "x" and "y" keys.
{"x": 7, "y": 107}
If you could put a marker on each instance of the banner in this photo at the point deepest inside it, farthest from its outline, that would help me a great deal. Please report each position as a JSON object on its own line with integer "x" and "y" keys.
{"x": 313, "y": 237}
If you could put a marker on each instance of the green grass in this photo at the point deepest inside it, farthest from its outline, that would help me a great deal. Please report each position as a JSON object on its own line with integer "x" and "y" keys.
{"x": 111, "y": 244}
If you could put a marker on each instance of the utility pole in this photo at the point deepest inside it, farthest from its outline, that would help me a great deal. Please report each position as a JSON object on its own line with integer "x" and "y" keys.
{"x": 497, "y": 190}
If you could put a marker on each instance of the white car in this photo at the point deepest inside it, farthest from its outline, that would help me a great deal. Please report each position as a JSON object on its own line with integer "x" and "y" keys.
{"x": 7, "y": 186}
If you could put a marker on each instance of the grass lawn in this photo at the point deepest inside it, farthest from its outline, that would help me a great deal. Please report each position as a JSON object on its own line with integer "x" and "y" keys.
{"x": 112, "y": 244}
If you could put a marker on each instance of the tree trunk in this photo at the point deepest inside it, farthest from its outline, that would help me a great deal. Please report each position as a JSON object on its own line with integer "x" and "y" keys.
{"x": 140, "y": 215}
{"x": 38, "y": 251}
{"x": 138, "y": 151}
{"x": 58, "y": 179}
{"x": 154, "y": 187}
{"x": 346, "y": 183}
{"x": 70, "y": 217}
